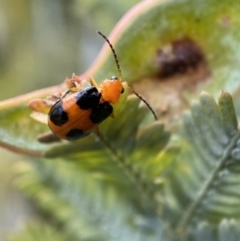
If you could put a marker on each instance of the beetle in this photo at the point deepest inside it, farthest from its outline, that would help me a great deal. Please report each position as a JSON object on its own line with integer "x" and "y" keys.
{"x": 79, "y": 111}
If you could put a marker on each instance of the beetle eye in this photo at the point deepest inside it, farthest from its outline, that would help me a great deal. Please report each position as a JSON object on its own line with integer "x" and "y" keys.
{"x": 122, "y": 90}
{"x": 114, "y": 78}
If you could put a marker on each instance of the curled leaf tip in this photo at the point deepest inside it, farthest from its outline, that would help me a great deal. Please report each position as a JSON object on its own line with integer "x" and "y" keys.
{"x": 227, "y": 112}
{"x": 225, "y": 96}
{"x": 224, "y": 93}
{"x": 48, "y": 137}
{"x": 204, "y": 93}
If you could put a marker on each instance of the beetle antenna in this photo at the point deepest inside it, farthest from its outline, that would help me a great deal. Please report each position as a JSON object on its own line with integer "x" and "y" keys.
{"x": 146, "y": 103}
{"x": 120, "y": 75}
{"x": 114, "y": 54}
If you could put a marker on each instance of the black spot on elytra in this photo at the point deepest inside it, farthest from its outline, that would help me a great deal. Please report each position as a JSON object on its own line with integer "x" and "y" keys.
{"x": 75, "y": 134}
{"x": 101, "y": 112}
{"x": 88, "y": 98}
{"x": 57, "y": 115}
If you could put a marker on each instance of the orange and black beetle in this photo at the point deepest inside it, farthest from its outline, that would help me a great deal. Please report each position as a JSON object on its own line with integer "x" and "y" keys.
{"x": 78, "y": 112}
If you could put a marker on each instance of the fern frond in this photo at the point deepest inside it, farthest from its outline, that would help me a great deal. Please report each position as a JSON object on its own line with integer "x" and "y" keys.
{"x": 86, "y": 209}
{"x": 38, "y": 231}
{"x": 124, "y": 154}
{"x": 204, "y": 184}
{"x": 228, "y": 229}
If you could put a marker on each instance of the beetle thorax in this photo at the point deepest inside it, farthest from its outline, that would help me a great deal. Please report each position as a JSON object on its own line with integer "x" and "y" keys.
{"x": 111, "y": 90}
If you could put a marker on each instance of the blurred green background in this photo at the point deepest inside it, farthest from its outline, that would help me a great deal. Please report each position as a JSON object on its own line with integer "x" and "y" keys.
{"x": 41, "y": 43}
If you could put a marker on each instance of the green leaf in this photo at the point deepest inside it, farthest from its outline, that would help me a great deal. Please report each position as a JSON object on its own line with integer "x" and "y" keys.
{"x": 38, "y": 231}
{"x": 85, "y": 208}
{"x": 18, "y": 131}
{"x": 150, "y": 26}
{"x": 154, "y": 26}
{"x": 205, "y": 179}
{"x": 229, "y": 230}
{"x": 122, "y": 154}
{"x": 204, "y": 232}
{"x": 108, "y": 181}
{"x": 131, "y": 183}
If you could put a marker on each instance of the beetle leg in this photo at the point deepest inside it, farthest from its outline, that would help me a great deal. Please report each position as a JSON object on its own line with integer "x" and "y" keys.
{"x": 56, "y": 97}
{"x": 72, "y": 90}
{"x": 96, "y": 130}
{"x": 93, "y": 82}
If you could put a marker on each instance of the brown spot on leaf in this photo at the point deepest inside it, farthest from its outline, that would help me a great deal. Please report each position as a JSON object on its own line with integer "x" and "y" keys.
{"x": 182, "y": 67}
{"x": 179, "y": 57}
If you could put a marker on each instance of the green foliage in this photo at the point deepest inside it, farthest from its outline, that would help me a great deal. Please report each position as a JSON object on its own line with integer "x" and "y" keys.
{"x": 108, "y": 183}
{"x": 144, "y": 191}
{"x": 205, "y": 179}
{"x": 38, "y": 231}
{"x": 139, "y": 180}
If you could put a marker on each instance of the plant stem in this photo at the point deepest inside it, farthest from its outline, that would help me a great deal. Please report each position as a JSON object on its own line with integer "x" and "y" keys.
{"x": 134, "y": 176}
